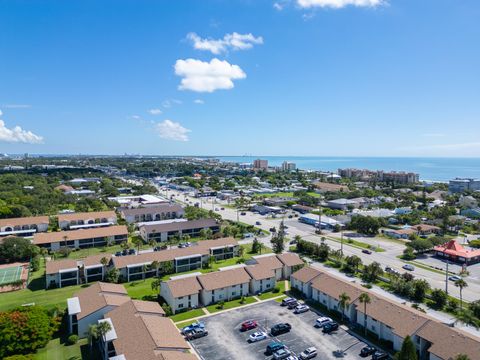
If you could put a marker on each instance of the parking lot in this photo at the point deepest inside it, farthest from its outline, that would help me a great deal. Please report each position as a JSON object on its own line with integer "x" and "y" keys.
{"x": 225, "y": 341}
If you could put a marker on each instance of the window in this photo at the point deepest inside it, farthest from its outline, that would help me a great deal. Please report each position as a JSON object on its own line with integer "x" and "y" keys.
{"x": 234, "y": 293}
{"x": 180, "y": 306}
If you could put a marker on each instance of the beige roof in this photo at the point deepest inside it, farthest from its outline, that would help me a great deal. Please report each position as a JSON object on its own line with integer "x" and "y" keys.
{"x": 260, "y": 272}
{"x": 32, "y": 220}
{"x": 100, "y": 295}
{"x": 270, "y": 261}
{"x": 177, "y": 355}
{"x": 334, "y": 287}
{"x": 290, "y": 259}
{"x": 53, "y": 267}
{"x": 161, "y": 208}
{"x": 306, "y": 274}
{"x": 150, "y": 307}
{"x": 163, "y": 332}
{"x": 202, "y": 248}
{"x": 329, "y": 186}
{"x": 86, "y": 215}
{"x": 144, "y": 337}
{"x": 402, "y": 319}
{"x": 179, "y": 225}
{"x": 52, "y": 237}
{"x": 221, "y": 279}
{"x": 448, "y": 342}
{"x": 184, "y": 286}
{"x": 96, "y": 259}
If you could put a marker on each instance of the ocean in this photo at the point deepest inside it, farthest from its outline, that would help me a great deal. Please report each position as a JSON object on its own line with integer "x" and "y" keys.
{"x": 434, "y": 169}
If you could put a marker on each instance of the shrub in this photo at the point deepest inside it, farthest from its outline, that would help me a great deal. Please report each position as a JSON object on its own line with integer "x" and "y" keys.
{"x": 221, "y": 304}
{"x": 72, "y": 339}
{"x": 276, "y": 289}
{"x": 24, "y": 330}
{"x": 19, "y": 357}
{"x": 167, "y": 309}
{"x": 35, "y": 263}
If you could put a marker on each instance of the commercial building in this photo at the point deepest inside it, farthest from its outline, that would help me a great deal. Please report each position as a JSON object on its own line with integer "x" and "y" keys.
{"x": 23, "y": 227}
{"x": 459, "y": 185}
{"x": 86, "y": 220}
{"x": 453, "y": 251}
{"x": 260, "y": 164}
{"x": 313, "y": 219}
{"x": 84, "y": 238}
{"x": 387, "y": 320}
{"x": 139, "y": 200}
{"x": 343, "y": 204}
{"x": 161, "y": 212}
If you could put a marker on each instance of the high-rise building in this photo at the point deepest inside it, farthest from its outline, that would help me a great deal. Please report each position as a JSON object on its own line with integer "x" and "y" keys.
{"x": 260, "y": 164}
{"x": 460, "y": 185}
{"x": 288, "y": 166}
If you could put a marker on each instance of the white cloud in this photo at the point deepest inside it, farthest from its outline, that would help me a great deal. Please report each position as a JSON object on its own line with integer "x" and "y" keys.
{"x": 155, "y": 111}
{"x": 171, "y": 130}
{"x": 233, "y": 41}
{"x": 337, "y": 4}
{"x": 201, "y": 76}
{"x": 278, "y": 6}
{"x": 199, "y": 101}
{"x": 170, "y": 102}
{"x": 135, "y": 117}
{"x": 17, "y": 134}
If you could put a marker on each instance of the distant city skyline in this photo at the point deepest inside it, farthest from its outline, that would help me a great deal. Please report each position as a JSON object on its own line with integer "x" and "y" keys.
{"x": 369, "y": 78}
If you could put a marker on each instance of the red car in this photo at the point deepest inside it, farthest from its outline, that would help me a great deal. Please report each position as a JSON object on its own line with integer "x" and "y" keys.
{"x": 248, "y": 325}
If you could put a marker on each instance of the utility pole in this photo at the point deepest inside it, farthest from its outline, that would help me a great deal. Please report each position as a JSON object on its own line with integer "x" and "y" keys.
{"x": 341, "y": 243}
{"x": 319, "y": 216}
{"x": 446, "y": 278}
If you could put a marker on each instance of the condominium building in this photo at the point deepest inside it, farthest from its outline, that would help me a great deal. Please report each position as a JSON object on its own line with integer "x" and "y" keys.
{"x": 260, "y": 164}
{"x": 23, "y": 227}
{"x": 389, "y": 321}
{"x": 160, "y": 212}
{"x": 167, "y": 229}
{"x": 85, "y": 220}
{"x": 85, "y": 238}
{"x": 459, "y": 185}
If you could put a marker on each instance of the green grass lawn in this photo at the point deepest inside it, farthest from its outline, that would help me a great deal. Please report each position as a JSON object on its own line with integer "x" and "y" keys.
{"x": 141, "y": 289}
{"x": 231, "y": 304}
{"x": 187, "y": 315}
{"x": 272, "y": 294}
{"x": 55, "y": 350}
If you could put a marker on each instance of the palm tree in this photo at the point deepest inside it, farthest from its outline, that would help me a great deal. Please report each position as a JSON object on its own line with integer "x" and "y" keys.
{"x": 343, "y": 302}
{"x": 92, "y": 334}
{"x": 102, "y": 329}
{"x": 156, "y": 285}
{"x": 364, "y": 299}
{"x": 104, "y": 261}
{"x": 461, "y": 284}
{"x": 155, "y": 265}
{"x": 144, "y": 271}
{"x": 152, "y": 243}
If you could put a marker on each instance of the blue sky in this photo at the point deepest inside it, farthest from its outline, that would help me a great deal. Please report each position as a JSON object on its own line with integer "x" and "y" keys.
{"x": 229, "y": 77}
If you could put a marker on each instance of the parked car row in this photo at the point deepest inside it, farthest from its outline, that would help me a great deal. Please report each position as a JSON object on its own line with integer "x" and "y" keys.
{"x": 126, "y": 252}
{"x": 194, "y": 331}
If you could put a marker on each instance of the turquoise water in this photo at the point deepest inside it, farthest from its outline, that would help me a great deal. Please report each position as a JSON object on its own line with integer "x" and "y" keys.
{"x": 437, "y": 169}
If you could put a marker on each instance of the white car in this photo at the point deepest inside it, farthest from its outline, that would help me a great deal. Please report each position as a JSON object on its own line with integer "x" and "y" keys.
{"x": 309, "y": 353}
{"x": 292, "y": 357}
{"x": 322, "y": 321}
{"x": 301, "y": 309}
{"x": 257, "y": 336}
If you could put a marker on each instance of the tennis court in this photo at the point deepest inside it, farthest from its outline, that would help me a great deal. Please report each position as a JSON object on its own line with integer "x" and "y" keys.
{"x": 10, "y": 274}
